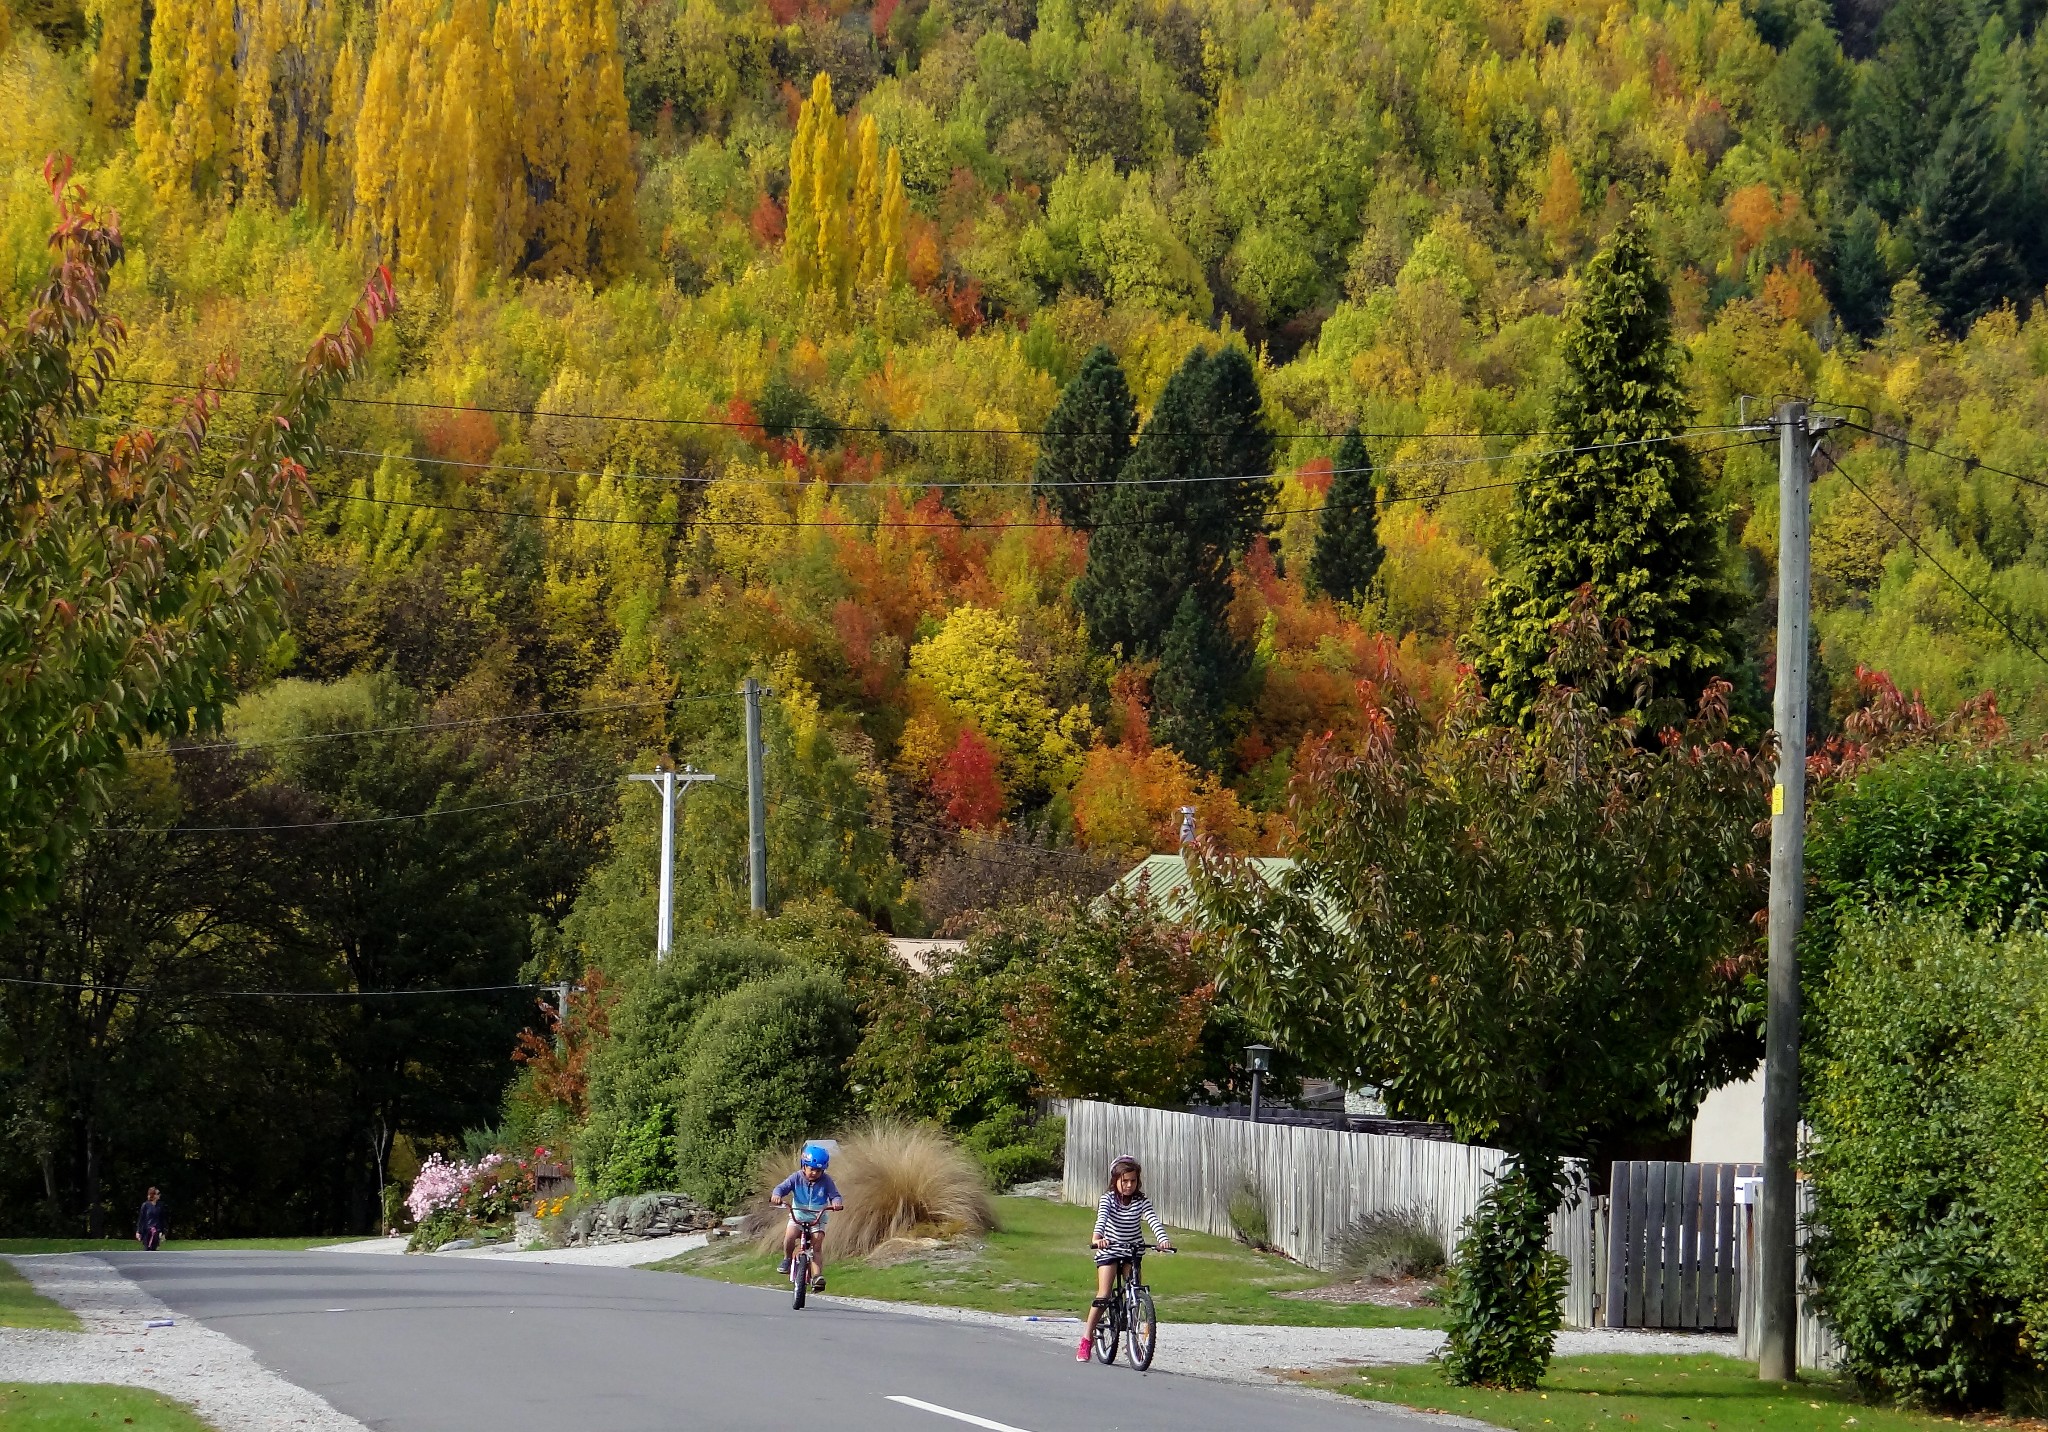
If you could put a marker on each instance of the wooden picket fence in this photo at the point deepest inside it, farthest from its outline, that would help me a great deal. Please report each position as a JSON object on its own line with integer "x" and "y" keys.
{"x": 1673, "y": 1254}
{"x": 1312, "y": 1183}
{"x": 1818, "y": 1345}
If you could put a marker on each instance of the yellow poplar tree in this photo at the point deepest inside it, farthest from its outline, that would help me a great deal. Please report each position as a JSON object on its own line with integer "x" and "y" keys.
{"x": 867, "y": 202}
{"x": 828, "y": 196}
{"x": 337, "y": 149}
{"x": 892, "y": 226}
{"x": 800, "y": 225}
{"x": 185, "y": 128}
{"x": 116, "y": 62}
{"x": 255, "y": 124}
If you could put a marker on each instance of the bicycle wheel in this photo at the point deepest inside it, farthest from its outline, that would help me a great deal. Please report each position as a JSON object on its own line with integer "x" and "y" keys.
{"x": 800, "y": 1275}
{"x": 1144, "y": 1320}
{"x": 1106, "y": 1329}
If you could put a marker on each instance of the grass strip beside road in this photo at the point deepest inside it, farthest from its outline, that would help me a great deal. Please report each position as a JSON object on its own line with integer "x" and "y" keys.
{"x": 78, "y": 1406}
{"x": 21, "y": 1306}
{"x": 1637, "y": 1393}
{"x": 188, "y": 1245}
{"x": 1038, "y": 1262}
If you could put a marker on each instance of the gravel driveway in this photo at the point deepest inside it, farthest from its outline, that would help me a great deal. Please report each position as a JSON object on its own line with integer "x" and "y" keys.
{"x": 216, "y": 1375}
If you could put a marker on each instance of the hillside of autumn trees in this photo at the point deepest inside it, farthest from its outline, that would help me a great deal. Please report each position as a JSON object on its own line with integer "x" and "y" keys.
{"x": 815, "y": 340}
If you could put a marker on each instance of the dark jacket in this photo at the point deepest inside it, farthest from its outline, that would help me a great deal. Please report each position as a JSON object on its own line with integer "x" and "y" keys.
{"x": 151, "y": 1219}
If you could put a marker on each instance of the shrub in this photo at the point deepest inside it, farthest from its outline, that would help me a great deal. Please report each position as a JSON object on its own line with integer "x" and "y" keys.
{"x": 1014, "y": 1149}
{"x": 900, "y": 1180}
{"x": 1505, "y": 1297}
{"x": 766, "y": 1068}
{"x": 1391, "y": 1243}
{"x": 1928, "y": 1103}
{"x": 636, "y": 1074}
{"x": 1248, "y": 1215}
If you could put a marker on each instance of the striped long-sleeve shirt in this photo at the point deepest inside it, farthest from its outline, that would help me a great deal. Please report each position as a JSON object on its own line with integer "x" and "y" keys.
{"x": 1116, "y": 1222}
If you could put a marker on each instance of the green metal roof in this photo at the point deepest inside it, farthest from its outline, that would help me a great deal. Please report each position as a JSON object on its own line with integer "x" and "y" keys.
{"x": 1165, "y": 879}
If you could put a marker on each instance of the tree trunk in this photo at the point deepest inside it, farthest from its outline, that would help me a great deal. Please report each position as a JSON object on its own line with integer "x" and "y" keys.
{"x": 95, "y": 1215}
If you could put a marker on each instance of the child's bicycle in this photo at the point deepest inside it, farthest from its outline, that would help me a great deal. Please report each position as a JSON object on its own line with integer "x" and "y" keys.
{"x": 1129, "y": 1311}
{"x": 807, "y": 1221}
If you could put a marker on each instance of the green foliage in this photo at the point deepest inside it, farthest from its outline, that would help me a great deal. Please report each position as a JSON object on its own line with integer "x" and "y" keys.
{"x": 1112, "y": 1003}
{"x": 1348, "y": 553}
{"x": 1087, "y": 438}
{"x": 766, "y": 1069}
{"x": 1537, "y": 938}
{"x": 1202, "y": 666}
{"x": 1630, "y": 522}
{"x": 1013, "y": 1147}
{"x": 1247, "y": 1213}
{"x": 1155, "y": 541}
{"x": 1860, "y": 281}
{"x": 1965, "y": 262}
{"x": 135, "y": 584}
{"x": 1505, "y": 1298}
{"x": 1927, "y": 1105}
{"x": 1960, "y": 833}
{"x": 637, "y": 1075}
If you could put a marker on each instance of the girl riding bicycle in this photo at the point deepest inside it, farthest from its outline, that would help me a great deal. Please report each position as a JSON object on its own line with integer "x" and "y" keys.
{"x": 1117, "y": 1232}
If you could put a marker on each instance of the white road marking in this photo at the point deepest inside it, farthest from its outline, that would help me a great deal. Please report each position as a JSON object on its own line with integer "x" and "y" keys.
{"x": 967, "y": 1417}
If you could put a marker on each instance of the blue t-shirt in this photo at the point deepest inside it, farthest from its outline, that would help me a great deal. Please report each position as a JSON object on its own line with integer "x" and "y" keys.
{"x": 802, "y": 1194}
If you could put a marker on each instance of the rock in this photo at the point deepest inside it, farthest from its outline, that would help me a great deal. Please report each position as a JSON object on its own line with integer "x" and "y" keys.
{"x": 644, "y": 1216}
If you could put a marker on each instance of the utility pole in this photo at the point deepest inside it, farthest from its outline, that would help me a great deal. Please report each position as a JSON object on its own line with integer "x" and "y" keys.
{"x": 757, "y": 804}
{"x": 666, "y": 781}
{"x": 1777, "y": 1268}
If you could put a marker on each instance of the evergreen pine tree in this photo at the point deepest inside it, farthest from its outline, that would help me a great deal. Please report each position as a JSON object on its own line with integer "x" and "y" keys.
{"x": 1859, "y": 280}
{"x": 1630, "y": 524}
{"x": 1087, "y": 439}
{"x": 1348, "y": 553}
{"x": 1201, "y": 665}
{"x": 1169, "y": 524}
{"x": 1908, "y": 94}
{"x": 1959, "y": 245}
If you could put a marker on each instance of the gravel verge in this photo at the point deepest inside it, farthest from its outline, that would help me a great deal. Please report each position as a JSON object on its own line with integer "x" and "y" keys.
{"x": 218, "y": 1377}
{"x": 1240, "y": 1353}
{"x": 601, "y": 1255}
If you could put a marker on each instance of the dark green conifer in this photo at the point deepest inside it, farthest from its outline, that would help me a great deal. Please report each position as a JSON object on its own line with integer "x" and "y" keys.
{"x": 1965, "y": 263}
{"x": 1630, "y": 523}
{"x": 1087, "y": 439}
{"x": 1348, "y": 553}
{"x": 1201, "y": 666}
{"x": 1170, "y": 524}
{"x": 1859, "y": 279}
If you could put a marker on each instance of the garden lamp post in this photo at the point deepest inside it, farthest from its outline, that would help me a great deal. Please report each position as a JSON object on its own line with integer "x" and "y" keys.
{"x": 1258, "y": 1058}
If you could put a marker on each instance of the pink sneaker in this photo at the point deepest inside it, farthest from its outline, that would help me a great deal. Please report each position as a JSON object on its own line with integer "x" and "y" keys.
{"x": 1081, "y": 1353}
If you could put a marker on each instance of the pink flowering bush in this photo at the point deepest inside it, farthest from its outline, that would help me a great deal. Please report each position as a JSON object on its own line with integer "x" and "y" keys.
{"x": 451, "y": 1199}
{"x": 441, "y": 1184}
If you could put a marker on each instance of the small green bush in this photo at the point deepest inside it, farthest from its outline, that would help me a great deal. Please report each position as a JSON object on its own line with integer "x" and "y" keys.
{"x": 766, "y": 1068}
{"x": 1248, "y": 1216}
{"x": 1013, "y": 1149}
{"x": 1391, "y": 1243}
{"x": 1505, "y": 1298}
{"x": 1929, "y": 1109}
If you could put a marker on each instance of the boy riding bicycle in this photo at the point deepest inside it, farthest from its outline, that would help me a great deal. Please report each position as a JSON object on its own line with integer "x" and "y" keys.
{"x": 809, "y": 1188}
{"x": 1118, "y": 1235}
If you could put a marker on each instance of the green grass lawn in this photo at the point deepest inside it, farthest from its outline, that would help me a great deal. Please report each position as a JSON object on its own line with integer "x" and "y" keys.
{"x": 21, "y": 1306}
{"x": 1038, "y": 1263}
{"x": 1640, "y": 1394}
{"x": 129, "y": 1245}
{"x": 77, "y": 1406}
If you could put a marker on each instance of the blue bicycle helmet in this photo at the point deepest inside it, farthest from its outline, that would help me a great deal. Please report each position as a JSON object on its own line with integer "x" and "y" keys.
{"x": 815, "y": 1156}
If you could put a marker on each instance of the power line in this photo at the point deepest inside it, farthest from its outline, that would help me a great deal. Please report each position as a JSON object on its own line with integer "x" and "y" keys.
{"x": 880, "y": 429}
{"x": 353, "y": 821}
{"x": 1008, "y": 524}
{"x": 1962, "y": 459}
{"x": 1932, "y": 560}
{"x": 267, "y": 993}
{"x": 565, "y": 711}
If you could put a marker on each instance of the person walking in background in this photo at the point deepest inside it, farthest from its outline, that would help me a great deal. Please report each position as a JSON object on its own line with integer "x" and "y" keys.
{"x": 150, "y": 1223}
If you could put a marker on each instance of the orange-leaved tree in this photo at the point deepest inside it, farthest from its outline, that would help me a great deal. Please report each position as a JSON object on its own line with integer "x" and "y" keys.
{"x": 132, "y": 582}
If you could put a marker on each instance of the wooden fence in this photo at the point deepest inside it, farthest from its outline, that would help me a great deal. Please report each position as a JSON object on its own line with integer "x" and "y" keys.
{"x": 1672, "y": 1259}
{"x": 1311, "y": 1182}
{"x": 1818, "y": 1345}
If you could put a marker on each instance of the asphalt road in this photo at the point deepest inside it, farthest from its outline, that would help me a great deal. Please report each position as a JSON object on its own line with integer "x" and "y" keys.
{"x": 462, "y": 1345}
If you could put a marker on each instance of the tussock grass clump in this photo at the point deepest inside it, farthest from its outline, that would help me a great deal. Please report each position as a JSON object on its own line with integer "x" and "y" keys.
{"x": 1248, "y": 1216}
{"x": 1391, "y": 1243}
{"x": 900, "y": 1180}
